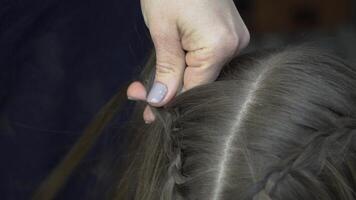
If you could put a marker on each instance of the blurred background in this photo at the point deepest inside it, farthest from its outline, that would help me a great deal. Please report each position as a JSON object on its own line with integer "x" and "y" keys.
{"x": 62, "y": 60}
{"x": 326, "y": 23}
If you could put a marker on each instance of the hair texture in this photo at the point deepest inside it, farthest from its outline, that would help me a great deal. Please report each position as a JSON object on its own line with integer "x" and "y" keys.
{"x": 275, "y": 125}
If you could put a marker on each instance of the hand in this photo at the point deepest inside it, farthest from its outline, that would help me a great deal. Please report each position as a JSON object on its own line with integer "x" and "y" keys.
{"x": 193, "y": 39}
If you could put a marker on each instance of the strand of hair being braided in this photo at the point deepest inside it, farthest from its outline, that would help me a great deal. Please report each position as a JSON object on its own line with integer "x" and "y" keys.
{"x": 325, "y": 149}
{"x": 168, "y": 119}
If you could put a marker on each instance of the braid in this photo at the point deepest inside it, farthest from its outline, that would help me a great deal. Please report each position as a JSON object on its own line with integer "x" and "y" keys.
{"x": 312, "y": 157}
{"x": 172, "y": 151}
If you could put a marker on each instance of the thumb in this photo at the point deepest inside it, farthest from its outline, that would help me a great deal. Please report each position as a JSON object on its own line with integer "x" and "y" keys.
{"x": 170, "y": 65}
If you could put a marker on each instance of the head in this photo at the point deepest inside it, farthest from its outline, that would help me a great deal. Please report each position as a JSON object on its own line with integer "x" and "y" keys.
{"x": 275, "y": 125}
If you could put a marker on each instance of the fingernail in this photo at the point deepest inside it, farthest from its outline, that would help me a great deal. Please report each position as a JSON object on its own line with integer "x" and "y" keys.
{"x": 157, "y": 93}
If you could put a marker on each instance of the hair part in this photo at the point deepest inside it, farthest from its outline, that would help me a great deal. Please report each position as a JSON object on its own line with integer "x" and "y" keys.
{"x": 276, "y": 125}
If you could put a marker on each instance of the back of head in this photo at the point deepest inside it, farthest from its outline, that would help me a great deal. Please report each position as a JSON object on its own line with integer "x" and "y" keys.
{"x": 275, "y": 125}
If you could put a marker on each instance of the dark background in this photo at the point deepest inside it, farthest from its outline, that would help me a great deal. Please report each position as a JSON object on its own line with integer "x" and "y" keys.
{"x": 62, "y": 60}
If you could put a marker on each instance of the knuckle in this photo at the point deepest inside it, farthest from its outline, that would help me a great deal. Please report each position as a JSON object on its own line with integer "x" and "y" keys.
{"x": 231, "y": 42}
{"x": 165, "y": 68}
{"x": 226, "y": 40}
{"x": 244, "y": 38}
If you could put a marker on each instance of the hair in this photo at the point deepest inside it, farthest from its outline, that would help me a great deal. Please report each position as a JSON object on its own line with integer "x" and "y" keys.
{"x": 278, "y": 124}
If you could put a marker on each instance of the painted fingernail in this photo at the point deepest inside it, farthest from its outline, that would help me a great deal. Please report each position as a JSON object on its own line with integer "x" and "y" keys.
{"x": 157, "y": 93}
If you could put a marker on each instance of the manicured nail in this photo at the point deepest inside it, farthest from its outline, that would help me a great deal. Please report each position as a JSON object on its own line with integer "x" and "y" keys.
{"x": 157, "y": 93}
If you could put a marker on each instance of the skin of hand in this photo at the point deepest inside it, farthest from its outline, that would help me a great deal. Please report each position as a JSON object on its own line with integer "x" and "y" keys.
{"x": 193, "y": 39}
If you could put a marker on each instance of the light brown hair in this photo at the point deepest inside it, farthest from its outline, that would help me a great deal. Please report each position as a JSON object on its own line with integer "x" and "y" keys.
{"x": 275, "y": 125}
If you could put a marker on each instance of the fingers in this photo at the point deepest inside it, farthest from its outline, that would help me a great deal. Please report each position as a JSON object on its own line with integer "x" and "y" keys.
{"x": 211, "y": 32}
{"x": 148, "y": 115}
{"x": 204, "y": 64}
{"x": 136, "y": 91}
{"x": 170, "y": 64}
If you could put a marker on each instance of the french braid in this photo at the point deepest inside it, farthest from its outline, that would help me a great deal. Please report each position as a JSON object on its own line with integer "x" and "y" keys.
{"x": 173, "y": 152}
{"x": 341, "y": 137}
